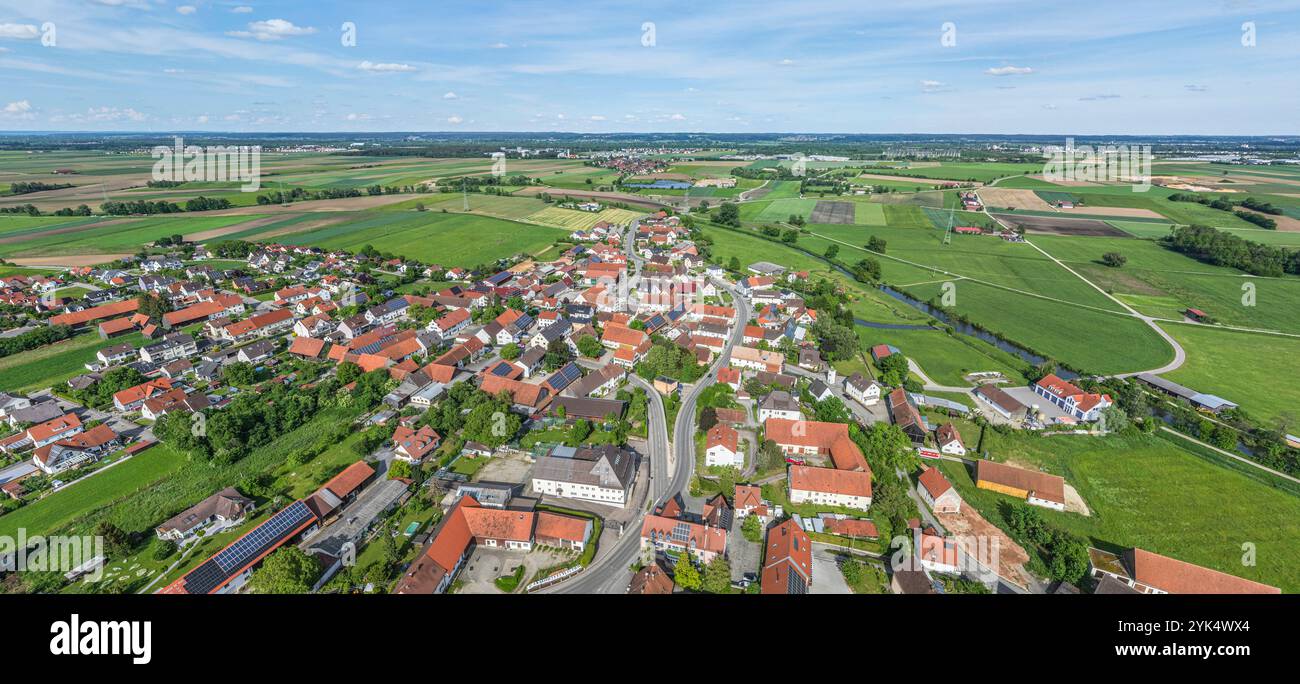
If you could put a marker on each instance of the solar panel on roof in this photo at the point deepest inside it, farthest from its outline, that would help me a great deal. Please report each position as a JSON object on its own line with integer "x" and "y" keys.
{"x": 218, "y": 569}
{"x": 681, "y": 532}
{"x": 565, "y": 376}
{"x": 502, "y": 369}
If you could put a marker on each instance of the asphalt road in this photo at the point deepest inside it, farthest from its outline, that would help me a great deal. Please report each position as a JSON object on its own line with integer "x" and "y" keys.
{"x": 608, "y": 573}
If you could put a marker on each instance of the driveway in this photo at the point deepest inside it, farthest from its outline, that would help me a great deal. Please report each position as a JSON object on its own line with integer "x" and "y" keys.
{"x": 826, "y": 575}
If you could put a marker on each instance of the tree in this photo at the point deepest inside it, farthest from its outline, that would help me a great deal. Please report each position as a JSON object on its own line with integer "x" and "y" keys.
{"x": 717, "y": 575}
{"x": 580, "y": 431}
{"x": 752, "y": 529}
{"x": 867, "y": 270}
{"x": 876, "y": 244}
{"x": 348, "y": 372}
{"x": 837, "y": 342}
{"x": 287, "y": 571}
{"x": 685, "y": 573}
{"x": 239, "y": 373}
{"x": 893, "y": 369}
{"x": 590, "y": 347}
{"x": 729, "y": 214}
{"x": 1114, "y": 259}
{"x": 734, "y": 264}
{"x": 510, "y": 352}
{"x": 832, "y": 250}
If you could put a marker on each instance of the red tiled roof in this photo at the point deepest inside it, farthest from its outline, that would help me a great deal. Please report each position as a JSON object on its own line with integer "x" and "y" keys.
{"x": 309, "y": 347}
{"x": 346, "y": 482}
{"x": 558, "y": 526}
{"x": 95, "y": 313}
{"x": 934, "y": 482}
{"x": 830, "y": 480}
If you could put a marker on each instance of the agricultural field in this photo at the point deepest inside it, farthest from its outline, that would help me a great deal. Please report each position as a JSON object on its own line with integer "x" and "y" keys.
{"x": 780, "y": 210}
{"x": 1161, "y": 282}
{"x": 1148, "y": 491}
{"x": 446, "y": 239}
{"x": 105, "y": 235}
{"x": 575, "y": 219}
{"x": 1250, "y": 369}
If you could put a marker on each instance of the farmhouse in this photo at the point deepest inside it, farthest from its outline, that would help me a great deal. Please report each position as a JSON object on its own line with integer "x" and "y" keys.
{"x": 906, "y": 417}
{"x": 809, "y": 437}
{"x": 830, "y": 487}
{"x": 602, "y": 474}
{"x": 1038, "y": 489}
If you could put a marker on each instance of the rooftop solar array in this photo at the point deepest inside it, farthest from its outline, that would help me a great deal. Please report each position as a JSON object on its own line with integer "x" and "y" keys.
{"x": 565, "y": 376}
{"x": 681, "y": 532}
{"x": 218, "y": 569}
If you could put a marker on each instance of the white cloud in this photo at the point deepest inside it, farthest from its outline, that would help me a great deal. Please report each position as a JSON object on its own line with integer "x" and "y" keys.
{"x": 454, "y": 120}
{"x": 202, "y": 119}
{"x": 187, "y": 9}
{"x": 929, "y": 86}
{"x": 173, "y": 71}
{"x": 786, "y": 62}
{"x": 357, "y": 117}
{"x": 389, "y": 67}
{"x": 449, "y": 95}
{"x": 242, "y": 9}
{"x": 1195, "y": 88}
{"x": 107, "y": 115}
{"x": 1008, "y": 71}
{"x": 19, "y": 31}
{"x": 1103, "y": 96}
{"x": 272, "y": 29}
{"x": 677, "y": 117}
{"x": 597, "y": 117}
{"x": 22, "y": 109}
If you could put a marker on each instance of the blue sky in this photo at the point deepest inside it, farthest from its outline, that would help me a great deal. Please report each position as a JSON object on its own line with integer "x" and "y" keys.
{"x": 863, "y": 66}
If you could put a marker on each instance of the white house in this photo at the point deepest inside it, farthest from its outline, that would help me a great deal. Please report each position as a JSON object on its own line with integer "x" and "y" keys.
{"x": 721, "y": 447}
{"x": 862, "y": 390}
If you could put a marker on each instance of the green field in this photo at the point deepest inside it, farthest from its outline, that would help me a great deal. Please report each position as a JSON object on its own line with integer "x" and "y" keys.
{"x": 1148, "y": 492}
{"x": 1162, "y": 282}
{"x": 1253, "y": 370}
{"x": 117, "y": 482}
{"x": 53, "y": 364}
{"x": 782, "y": 209}
{"x": 108, "y": 235}
{"x": 433, "y": 237}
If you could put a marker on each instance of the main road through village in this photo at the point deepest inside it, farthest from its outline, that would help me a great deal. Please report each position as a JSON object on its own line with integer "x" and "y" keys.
{"x": 671, "y": 465}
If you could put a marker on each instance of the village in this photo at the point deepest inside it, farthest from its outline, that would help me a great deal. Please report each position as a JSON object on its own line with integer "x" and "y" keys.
{"x": 627, "y": 417}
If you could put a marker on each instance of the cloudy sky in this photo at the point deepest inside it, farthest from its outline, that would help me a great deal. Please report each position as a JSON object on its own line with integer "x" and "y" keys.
{"x": 860, "y": 66}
